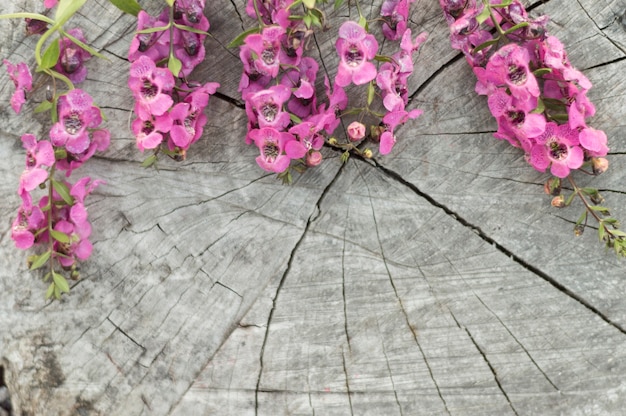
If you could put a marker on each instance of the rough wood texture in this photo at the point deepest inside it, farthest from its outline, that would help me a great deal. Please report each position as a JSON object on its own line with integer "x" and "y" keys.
{"x": 437, "y": 280}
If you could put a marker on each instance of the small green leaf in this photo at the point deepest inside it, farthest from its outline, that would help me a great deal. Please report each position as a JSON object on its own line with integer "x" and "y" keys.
{"x": 84, "y": 46}
{"x": 40, "y": 260}
{"x": 371, "y": 92}
{"x": 363, "y": 22}
{"x": 174, "y": 65}
{"x": 60, "y": 237}
{"x": 541, "y": 107}
{"x": 154, "y": 29}
{"x": 485, "y": 45}
{"x": 295, "y": 119}
{"x": 60, "y": 282}
{"x": 150, "y": 160}
{"x": 50, "y": 291}
{"x": 515, "y": 28}
{"x": 539, "y": 72}
{"x": 63, "y": 191}
{"x": 310, "y": 4}
{"x": 601, "y": 232}
{"x": 65, "y": 10}
{"x": 383, "y": 58}
{"x": 483, "y": 16}
{"x": 43, "y": 106}
{"x": 60, "y": 153}
{"x": 127, "y": 6}
{"x": 599, "y": 208}
{"x": 569, "y": 199}
{"x": 345, "y": 156}
{"x": 50, "y": 56}
{"x": 307, "y": 20}
{"x": 239, "y": 40}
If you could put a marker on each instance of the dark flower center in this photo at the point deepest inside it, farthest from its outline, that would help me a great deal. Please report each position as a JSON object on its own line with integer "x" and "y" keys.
{"x": 516, "y": 117}
{"x": 558, "y": 151}
{"x": 270, "y": 151}
{"x": 517, "y": 75}
{"x": 148, "y": 127}
{"x": 149, "y": 90}
{"x": 72, "y": 123}
{"x": 269, "y": 111}
{"x": 31, "y": 162}
{"x": 191, "y": 43}
{"x": 268, "y": 56}
{"x": 354, "y": 57}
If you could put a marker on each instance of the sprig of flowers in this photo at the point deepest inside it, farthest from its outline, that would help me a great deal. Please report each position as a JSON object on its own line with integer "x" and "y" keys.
{"x": 57, "y": 224}
{"x": 287, "y": 119}
{"x": 163, "y": 53}
{"x": 539, "y": 100}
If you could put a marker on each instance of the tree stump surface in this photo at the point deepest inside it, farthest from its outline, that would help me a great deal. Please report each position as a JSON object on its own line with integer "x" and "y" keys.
{"x": 436, "y": 280}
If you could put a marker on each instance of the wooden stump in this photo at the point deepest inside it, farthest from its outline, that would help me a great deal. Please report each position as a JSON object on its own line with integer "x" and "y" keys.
{"x": 436, "y": 280}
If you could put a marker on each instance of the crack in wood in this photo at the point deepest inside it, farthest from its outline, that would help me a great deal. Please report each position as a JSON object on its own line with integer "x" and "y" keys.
{"x": 399, "y": 299}
{"x": 601, "y": 32}
{"x": 345, "y": 372}
{"x": 126, "y": 335}
{"x": 393, "y": 385}
{"x": 343, "y": 285}
{"x": 491, "y": 367}
{"x": 517, "y": 259}
{"x": 313, "y": 215}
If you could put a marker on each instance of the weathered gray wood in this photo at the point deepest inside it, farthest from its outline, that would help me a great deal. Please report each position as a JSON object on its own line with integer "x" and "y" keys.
{"x": 437, "y": 280}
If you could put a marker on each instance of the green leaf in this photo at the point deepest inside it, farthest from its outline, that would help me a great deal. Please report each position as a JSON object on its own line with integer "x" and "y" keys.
{"x": 371, "y": 92}
{"x": 60, "y": 237}
{"x": 43, "y": 106}
{"x": 170, "y": 3}
{"x": 485, "y": 45}
{"x": 310, "y": 4}
{"x": 50, "y": 291}
{"x": 127, "y": 6}
{"x": 515, "y": 28}
{"x": 65, "y": 10}
{"x": 191, "y": 29}
{"x": 60, "y": 282}
{"x": 601, "y": 232}
{"x": 338, "y": 4}
{"x": 541, "y": 107}
{"x": 539, "y": 72}
{"x": 150, "y": 160}
{"x": 239, "y": 40}
{"x": 483, "y": 16}
{"x": 84, "y": 46}
{"x": 154, "y": 29}
{"x": 63, "y": 191}
{"x": 40, "y": 260}
{"x": 295, "y": 119}
{"x": 363, "y": 22}
{"x": 50, "y": 56}
{"x": 174, "y": 65}
{"x": 569, "y": 199}
{"x": 383, "y": 58}
{"x": 345, "y": 156}
{"x": 307, "y": 20}
{"x": 599, "y": 208}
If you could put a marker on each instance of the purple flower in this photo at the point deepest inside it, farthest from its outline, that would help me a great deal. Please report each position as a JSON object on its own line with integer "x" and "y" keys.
{"x": 593, "y": 141}
{"x": 265, "y": 108}
{"x": 271, "y": 144}
{"x": 509, "y": 67}
{"x": 266, "y": 47}
{"x": 149, "y": 132}
{"x": 190, "y": 46}
{"x": 28, "y": 221}
{"x": 154, "y": 45}
{"x": 150, "y": 86}
{"x": 395, "y": 16}
{"x": 355, "y": 48}
{"x": 99, "y": 140}
{"x": 558, "y": 148}
{"x": 302, "y": 80}
{"x": 23, "y": 81}
{"x": 76, "y": 115}
{"x": 37, "y": 154}
{"x": 391, "y": 120}
{"x": 72, "y": 57}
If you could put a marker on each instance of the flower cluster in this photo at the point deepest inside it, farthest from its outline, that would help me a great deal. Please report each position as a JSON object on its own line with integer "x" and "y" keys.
{"x": 167, "y": 113}
{"x": 538, "y": 98}
{"x": 57, "y": 221}
{"x": 287, "y": 119}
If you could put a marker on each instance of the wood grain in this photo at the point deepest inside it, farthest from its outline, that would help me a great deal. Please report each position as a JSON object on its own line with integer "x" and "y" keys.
{"x": 436, "y": 280}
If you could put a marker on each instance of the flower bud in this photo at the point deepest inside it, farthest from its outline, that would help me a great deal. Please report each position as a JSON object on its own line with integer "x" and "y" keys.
{"x": 35, "y": 27}
{"x": 558, "y": 201}
{"x": 367, "y": 153}
{"x": 579, "y": 229}
{"x": 332, "y": 141}
{"x": 552, "y": 186}
{"x": 600, "y": 165}
{"x": 314, "y": 158}
{"x": 356, "y": 131}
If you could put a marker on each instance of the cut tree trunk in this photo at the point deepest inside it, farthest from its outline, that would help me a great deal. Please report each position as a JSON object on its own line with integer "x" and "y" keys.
{"x": 435, "y": 280}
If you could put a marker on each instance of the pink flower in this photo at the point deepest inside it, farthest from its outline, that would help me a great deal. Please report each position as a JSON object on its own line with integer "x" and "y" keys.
{"x": 72, "y": 57}
{"x": 516, "y": 123}
{"x": 76, "y": 115}
{"x": 23, "y": 81}
{"x": 593, "y": 141}
{"x": 271, "y": 144}
{"x": 37, "y": 154}
{"x": 265, "y": 108}
{"x": 154, "y": 45}
{"x": 302, "y": 80}
{"x": 266, "y": 47}
{"x": 395, "y": 15}
{"x": 355, "y": 48}
{"x": 558, "y": 148}
{"x": 149, "y": 132}
{"x": 48, "y": 4}
{"x": 28, "y": 221}
{"x": 150, "y": 86}
{"x": 308, "y": 138}
{"x": 356, "y": 131}
{"x": 99, "y": 140}
{"x": 391, "y": 120}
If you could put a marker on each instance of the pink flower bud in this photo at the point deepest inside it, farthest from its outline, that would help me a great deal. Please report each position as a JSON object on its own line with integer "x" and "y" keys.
{"x": 600, "y": 165}
{"x": 356, "y": 131}
{"x": 314, "y": 158}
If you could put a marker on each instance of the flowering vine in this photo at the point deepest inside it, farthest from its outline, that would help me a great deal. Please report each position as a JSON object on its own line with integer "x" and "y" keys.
{"x": 56, "y": 223}
{"x": 538, "y": 98}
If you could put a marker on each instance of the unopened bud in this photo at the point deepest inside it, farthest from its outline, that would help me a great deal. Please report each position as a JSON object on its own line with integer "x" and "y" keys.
{"x": 75, "y": 275}
{"x": 367, "y": 153}
{"x": 35, "y": 27}
{"x": 579, "y": 229}
{"x": 600, "y": 165}
{"x": 558, "y": 201}
{"x": 314, "y": 158}
{"x": 552, "y": 186}
{"x": 332, "y": 141}
{"x": 356, "y": 131}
